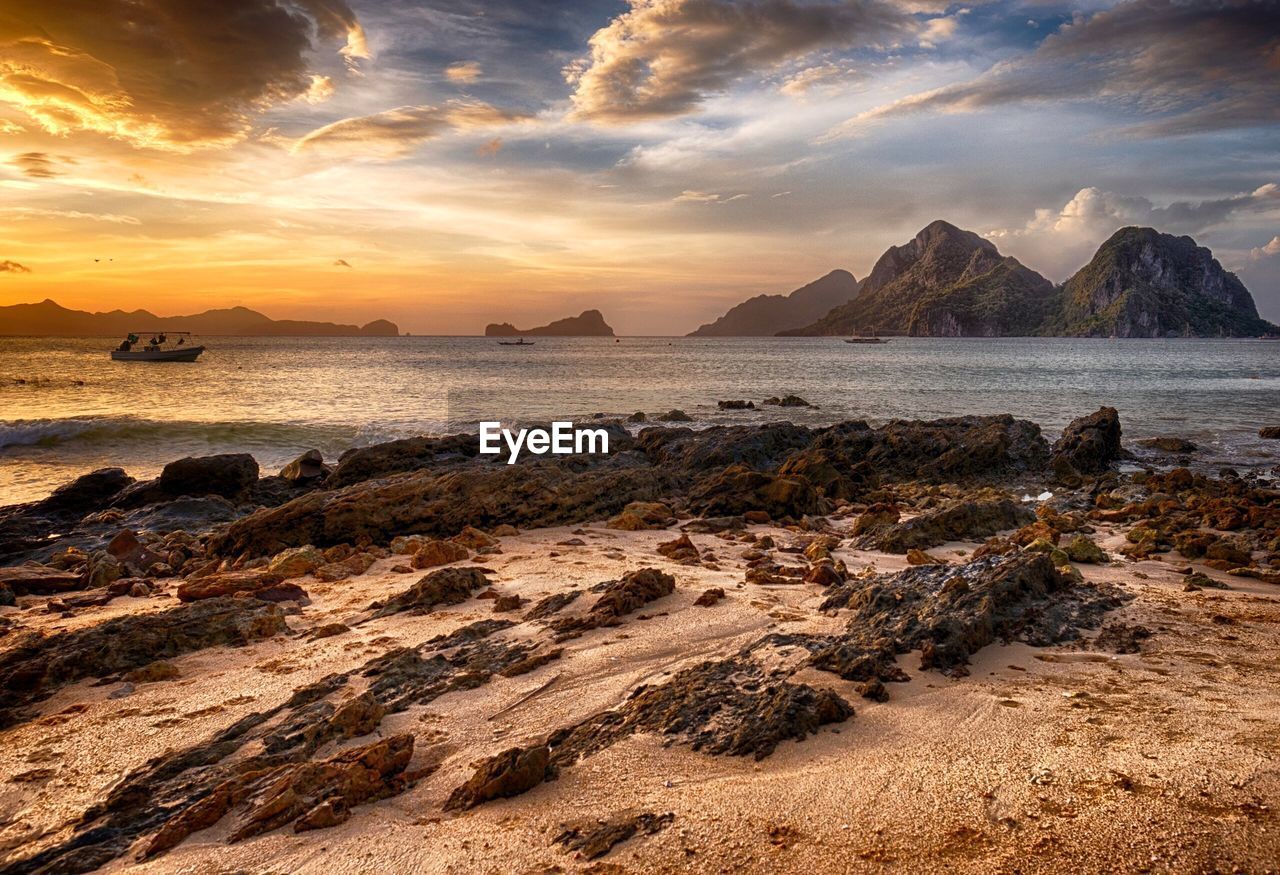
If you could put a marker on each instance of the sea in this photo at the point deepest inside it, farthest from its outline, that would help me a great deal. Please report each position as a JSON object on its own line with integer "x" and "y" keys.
{"x": 66, "y": 408}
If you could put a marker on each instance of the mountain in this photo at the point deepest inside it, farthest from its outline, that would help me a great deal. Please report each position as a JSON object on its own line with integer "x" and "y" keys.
{"x": 50, "y": 319}
{"x": 1142, "y": 283}
{"x": 589, "y": 324}
{"x": 765, "y": 315}
{"x": 944, "y": 282}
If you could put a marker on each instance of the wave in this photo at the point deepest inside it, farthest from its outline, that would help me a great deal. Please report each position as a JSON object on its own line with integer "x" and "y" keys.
{"x": 104, "y": 430}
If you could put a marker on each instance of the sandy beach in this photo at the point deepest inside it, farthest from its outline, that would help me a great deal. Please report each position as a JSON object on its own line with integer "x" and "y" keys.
{"x": 1029, "y": 758}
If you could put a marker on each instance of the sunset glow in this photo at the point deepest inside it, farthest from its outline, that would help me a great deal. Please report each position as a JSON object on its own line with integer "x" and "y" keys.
{"x": 443, "y": 164}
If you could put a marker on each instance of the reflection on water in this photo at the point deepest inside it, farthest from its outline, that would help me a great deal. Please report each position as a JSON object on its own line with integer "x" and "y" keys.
{"x": 275, "y": 397}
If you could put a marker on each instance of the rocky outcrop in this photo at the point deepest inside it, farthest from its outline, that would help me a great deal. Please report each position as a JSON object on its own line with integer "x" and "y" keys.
{"x": 1142, "y": 283}
{"x": 536, "y": 494}
{"x": 510, "y": 773}
{"x": 306, "y": 469}
{"x": 963, "y": 521}
{"x": 944, "y": 282}
{"x": 589, "y": 323}
{"x": 1091, "y": 443}
{"x": 36, "y": 665}
{"x": 617, "y": 599}
{"x": 766, "y": 315}
{"x": 447, "y": 586}
{"x": 738, "y": 489}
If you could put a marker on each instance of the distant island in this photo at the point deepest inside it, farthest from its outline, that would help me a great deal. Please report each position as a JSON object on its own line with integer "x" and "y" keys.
{"x": 590, "y": 323}
{"x": 947, "y": 282}
{"x": 49, "y": 319}
{"x": 765, "y": 315}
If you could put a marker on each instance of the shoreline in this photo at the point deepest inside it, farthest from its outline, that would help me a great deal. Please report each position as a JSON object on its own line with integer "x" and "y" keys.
{"x": 906, "y": 664}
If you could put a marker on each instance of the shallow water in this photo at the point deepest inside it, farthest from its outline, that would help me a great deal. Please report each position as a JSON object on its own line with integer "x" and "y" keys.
{"x": 275, "y": 397}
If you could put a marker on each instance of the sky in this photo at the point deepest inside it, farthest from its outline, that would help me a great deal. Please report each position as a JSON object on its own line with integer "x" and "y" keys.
{"x": 448, "y": 163}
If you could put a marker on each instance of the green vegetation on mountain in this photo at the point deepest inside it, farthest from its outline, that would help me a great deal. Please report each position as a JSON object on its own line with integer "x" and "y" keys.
{"x": 1142, "y": 283}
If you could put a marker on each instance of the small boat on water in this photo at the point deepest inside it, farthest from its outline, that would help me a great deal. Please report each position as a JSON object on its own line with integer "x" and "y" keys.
{"x": 866, "y": 340}
{"x": 157, "y": 349}
{"x": 520, "y": 342}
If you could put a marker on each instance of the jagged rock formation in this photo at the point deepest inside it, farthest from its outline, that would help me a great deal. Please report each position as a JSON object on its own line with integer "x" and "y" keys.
{"x": 589, "y": 323}
{"x": 945, "y": 282}
{"x": 1142, "y": 283}
{"x": 49, "y": 319}
{"x": 952, "y": 283}
{"x": 766, "y": 315}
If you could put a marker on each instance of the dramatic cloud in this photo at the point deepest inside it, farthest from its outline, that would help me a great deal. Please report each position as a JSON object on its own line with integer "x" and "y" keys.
{"x": 1271, "y": 249}
{"x": 1062, "y": 239}
{"x": 397, "y": 132}
{"x": 7, "y": 266}
{"x": 463, "y": 72}
{"x": 165, "y": 73}
{"x": 41, "y": 165}
{"x": 1178, "y": 67}
{"x": 663, "y": 57}
{"x": 703, "y": 197}
{"x": 821, "y": 78}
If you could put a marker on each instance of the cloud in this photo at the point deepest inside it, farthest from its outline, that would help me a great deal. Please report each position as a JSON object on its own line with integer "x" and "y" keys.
{"x": 320, "y": 89}
{"x": 41, "y": 165}
{"x": 164, "y": 74}
{"x": 397, "y": 132}
{"x": 341, "y": 262}
{"x": 491, "y": 148}
{"x": 703, "y": 197}
{"x": 1270, "y": 249}
{"x": 939, "y": 30}
{"x": 463, "y": 72}
{"x": 7, "y": 266}
{"x": 822, "y": 78}
{"x": 1061, "y": 239}
{"x": 1177, "y": 67}
{"x": 39, "y": 213}
{"x": 662, "y": 58}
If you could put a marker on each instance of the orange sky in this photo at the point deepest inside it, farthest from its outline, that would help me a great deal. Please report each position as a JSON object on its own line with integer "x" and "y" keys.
{"x": 445, "y": 164}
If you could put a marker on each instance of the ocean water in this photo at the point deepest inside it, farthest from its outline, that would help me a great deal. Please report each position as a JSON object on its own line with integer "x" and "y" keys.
{"x": 66, "y": 408}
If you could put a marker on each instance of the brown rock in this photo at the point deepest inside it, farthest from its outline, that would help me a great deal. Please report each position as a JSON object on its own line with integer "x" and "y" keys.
{"x": 434, "y": 552}
{"x": 227, "y": 583}
{"x": 709, "y": 597}
{"x": 509, "y": 773}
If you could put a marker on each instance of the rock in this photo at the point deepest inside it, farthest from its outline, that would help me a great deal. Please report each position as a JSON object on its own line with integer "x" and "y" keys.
{"x": 836, "y": 476}
{"x": 507, "y": 774}
{"x": 681, "y": 550}
{"x": 1226, "y": 551}
{"x": 737, "y": 489}
{"x": 919, "y": 557}
{"x": 328, "y": 630}
{"x": 296, "y": 562}
{"x": 617, "y": 599}
{"x": 824, "y": 574}
{"x": 592, "y": 839}
{"x": 965, "y": 520}
{"x": 40, "y": 580}
{"x": 136, "y": 557}
{"x": 87, "y": 493}
{"x": 361, "y": 464}
{"x": 1269, "y": 432}
{"x": 1118, "y": 637}
{"x": 638, "y": 416}
{"x": 226, "y": 583}
{"x": 787, "y": 401}
{"x": 435, "y": 552}
{"x": 310, "y": 795}
{"x": 535, "y": 494}
{"x": 1169, "y": 444}
{"x": 505, "y": 531}
{"x": 154, "y": 672}
{"x": 552, "y": 604}
{"x": 874, "y": 518}
{"x": 1081, "y": 549}
{"x": 227, "y": 475}
{"x": 45, "y": 662}
{"x": 675, "y": 416}
{"x": 736, "y": 405}
{"x": 474, "y": 538}
{"x": 730, "y": 706}
{"x": 506, "y": 603}
{"x": 1091, "y": 443}
{"x": 445, "y": 586}
{"x": 306, "y": 469}
{"x": 641, "y": 516}
{"x": 949, "y": 612}
{"x": 709, "y": 597}
{"x": 280, "y": 592}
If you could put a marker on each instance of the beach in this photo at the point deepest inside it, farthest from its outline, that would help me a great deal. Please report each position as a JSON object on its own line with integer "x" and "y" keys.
{"x": 730, "y": 649}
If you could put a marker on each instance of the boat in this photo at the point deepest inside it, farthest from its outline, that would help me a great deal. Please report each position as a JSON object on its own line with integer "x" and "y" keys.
{"x": 158, "y": 349}
{"x": 866, "y": 340}
{"x": 520, "y": 342}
